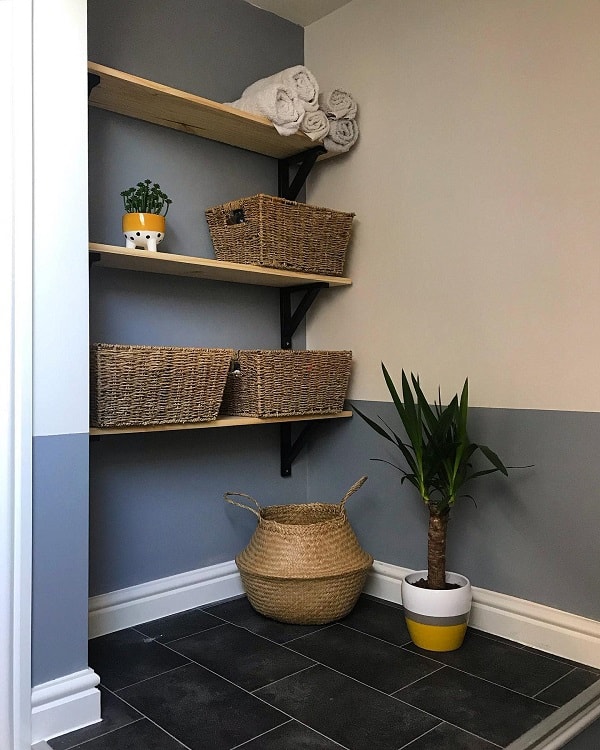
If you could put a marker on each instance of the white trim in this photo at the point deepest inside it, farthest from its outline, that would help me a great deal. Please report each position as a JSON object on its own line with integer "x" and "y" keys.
{"x": 165, "y": 596}
{"x": 551, "y": 630}
{"x": 16, "y": 197}
{"x": 65, "y": 704}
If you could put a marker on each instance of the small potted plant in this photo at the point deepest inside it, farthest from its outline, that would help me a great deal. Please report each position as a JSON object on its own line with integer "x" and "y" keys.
{"x": 438, "y": 455}
{"x": 144, "y": 221}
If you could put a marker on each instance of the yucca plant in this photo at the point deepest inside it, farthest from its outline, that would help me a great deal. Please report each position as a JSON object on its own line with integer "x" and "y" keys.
{"x": 438, "y": 455}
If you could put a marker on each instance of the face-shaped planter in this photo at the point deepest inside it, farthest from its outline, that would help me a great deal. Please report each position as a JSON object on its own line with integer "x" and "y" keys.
{"x": 143, "y": 230}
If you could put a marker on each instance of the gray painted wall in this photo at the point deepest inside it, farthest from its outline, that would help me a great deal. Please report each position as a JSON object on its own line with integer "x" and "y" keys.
{"x": 60, "y": 536}
{"x": 533, "y": 535}
{"x": 156, "y": 506}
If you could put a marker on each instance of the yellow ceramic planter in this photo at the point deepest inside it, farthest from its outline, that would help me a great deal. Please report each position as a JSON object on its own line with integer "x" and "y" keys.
{"x": 143, "y": 230}
{"x": 436, "y": 620}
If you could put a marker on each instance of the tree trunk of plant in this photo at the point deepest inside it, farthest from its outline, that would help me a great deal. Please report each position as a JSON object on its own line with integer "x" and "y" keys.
{"x": 436, "y": 551}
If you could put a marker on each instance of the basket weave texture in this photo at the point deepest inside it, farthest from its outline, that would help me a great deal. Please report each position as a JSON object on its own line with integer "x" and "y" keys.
{"x": 267, "y": 231}
{"x": 150, "y": 385}
{"x": 285, "y": 382}
{"x": 303, "y": 564}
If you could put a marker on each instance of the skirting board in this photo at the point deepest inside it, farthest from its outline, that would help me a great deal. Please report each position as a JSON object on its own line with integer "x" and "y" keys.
{"x": 165, "y": 596}
{"x": 530, "y": 624}
{"x": 65, "y": 704}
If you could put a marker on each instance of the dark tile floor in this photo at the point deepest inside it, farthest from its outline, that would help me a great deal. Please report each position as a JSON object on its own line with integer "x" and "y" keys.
{"x": 223, "y": 677}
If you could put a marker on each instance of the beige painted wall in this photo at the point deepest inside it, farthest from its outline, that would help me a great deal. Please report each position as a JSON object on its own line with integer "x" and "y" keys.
{"x": 476, "y": 184}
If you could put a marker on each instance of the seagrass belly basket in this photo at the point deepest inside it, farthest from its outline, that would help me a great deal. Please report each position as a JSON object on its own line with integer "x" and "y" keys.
{"x": 303, "y": 564}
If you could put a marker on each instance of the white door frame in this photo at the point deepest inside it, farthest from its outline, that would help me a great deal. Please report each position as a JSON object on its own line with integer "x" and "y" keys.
{"x": 16, "y": 146}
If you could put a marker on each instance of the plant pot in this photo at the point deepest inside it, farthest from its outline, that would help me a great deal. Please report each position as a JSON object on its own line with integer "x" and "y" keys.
{"x": 436, "y": 620}
{"x": 143, "y": 230}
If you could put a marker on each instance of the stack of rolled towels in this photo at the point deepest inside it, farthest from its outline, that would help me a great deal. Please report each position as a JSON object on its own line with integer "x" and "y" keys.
{"x": 292, "y": 101}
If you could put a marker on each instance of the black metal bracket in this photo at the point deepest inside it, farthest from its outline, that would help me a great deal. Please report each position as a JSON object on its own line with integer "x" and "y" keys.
{"x": 290, "y": 448}
{"x": 93, "y": 80}
{"x": 291, "y": 320}
{"x": 94, "y": 258}
{"x": 304, "y": 162}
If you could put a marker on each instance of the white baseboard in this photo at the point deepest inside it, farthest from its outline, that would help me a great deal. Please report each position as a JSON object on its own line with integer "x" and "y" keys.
{"x": 165, "y": 596}
{"x": 65, "y": 704}
{"x": 550, "y": 630}
{"x": 531, "y": 624}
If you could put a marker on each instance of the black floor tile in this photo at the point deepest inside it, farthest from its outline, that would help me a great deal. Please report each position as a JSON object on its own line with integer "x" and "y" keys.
{"x": 384, "y": 621}
{"x": 240, "y": 612}
{"x": 178, "y": 626}
{"x": 370, "y": 660}
{"x": 115, "y": 714}
{"x": 487, "y": 710}
{"x": 126, "y": 657}
{"x": 291, "y": 736}
{"x": 143, "y": 735}
{"x": 568, "y": 687}
{"x": 501, "y": 663}
{"x": 241, "y": 656}
{"x": 202, "y": 710}
{"x": 348, "y": 712}
{"x": 447, "y": 737}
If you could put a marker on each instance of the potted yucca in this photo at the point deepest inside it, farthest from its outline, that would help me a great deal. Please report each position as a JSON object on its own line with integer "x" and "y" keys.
{"x": 146, "y": 207}
{"x": 438, "y": 456}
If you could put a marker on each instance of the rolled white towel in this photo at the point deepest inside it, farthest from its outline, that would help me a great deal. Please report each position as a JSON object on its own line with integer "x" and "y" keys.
{"x": 338, "y": 104}
{"x": 315, "y": 125}
{"x": 342, "y": 135}
{"x": 305, "y": 84}
{"x": 299, "y": 82}
{"x": 273, "y": 101}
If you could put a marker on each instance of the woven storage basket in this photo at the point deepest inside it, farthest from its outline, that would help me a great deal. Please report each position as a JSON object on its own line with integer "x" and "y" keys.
{"x": 303, "y": 564}
{"x": 147, "y": 385}
{"x": 266, "y": 231}
{"x": 285, "y": 382}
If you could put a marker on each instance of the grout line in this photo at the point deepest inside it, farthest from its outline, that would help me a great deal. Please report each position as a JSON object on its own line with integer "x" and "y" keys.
{"x": 154, "y": 676}
{"x": 262, "y": 734}
{"x": 408, "y": 744}
{"x": 555, "y": 681}
{"x": 104, "y": 734}
{"x": 148, "y": 719}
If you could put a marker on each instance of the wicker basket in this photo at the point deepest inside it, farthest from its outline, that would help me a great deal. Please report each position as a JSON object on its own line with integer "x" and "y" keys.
{"x": 278, "y": 233}
{"x": 303, "y": 564}
{"x": 286, "y": 383}
{"x": 149, "y": 385}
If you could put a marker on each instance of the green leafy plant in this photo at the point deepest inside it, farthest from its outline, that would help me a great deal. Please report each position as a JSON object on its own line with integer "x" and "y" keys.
{"x": 146, "y": 198}
{"x": 438, "y": 456}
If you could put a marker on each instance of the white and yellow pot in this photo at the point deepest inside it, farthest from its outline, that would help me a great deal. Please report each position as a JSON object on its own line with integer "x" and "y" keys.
{"x": 436, "y": 620}
{"x": 143, "y": 230}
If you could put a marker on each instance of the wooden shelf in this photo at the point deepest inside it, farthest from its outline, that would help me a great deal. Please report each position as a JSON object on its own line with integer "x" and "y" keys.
{"x": 132, "y": 96}
{"x": 206, "y": 268}
{"x": 220, "y": 422}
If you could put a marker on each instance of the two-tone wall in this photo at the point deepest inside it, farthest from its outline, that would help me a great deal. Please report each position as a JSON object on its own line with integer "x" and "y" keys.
{"x": 475, "y": 253}
{"x": 60, "y": 344}
{"x": 156, "y": 501}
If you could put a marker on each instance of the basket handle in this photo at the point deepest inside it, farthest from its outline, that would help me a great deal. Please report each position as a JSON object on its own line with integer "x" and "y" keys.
{"x": 229, "y": 495}
{"x": 356, "y": 486}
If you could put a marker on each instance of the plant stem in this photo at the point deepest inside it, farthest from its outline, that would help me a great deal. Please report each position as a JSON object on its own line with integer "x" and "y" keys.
{"x": 436, "y": 550}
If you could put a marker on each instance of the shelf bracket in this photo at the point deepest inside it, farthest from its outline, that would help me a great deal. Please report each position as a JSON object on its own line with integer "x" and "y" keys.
{"x": 291, "y": 320}
{"x": 93, "y": 81}
{"x": 305, "y": 162}
{"x": 93, "y": 258}
{"x": 291, "y": 448}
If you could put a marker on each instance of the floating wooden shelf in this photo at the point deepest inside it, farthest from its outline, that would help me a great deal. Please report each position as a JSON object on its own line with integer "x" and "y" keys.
{"x": 112, "y": 256}
{"x": 132, "y": 96}
{"x": 220, "y": 422}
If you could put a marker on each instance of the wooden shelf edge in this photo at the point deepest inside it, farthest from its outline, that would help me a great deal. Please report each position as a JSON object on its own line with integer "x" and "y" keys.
{"x": 132, "y": 96}
{"x": 206, "y": 268}
{"x": 219, "y": 422}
